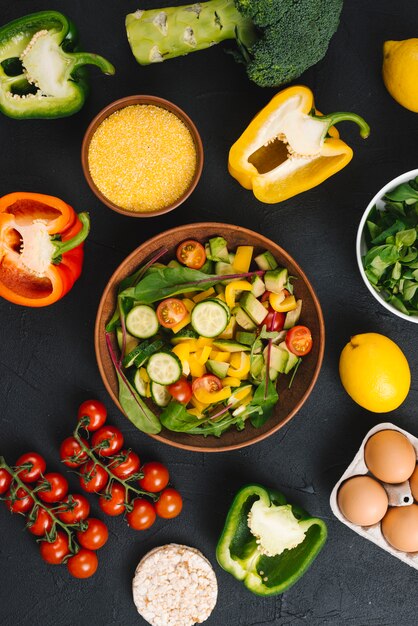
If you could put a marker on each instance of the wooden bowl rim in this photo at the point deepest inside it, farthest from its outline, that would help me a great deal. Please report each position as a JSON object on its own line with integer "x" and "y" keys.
{"x": 130, "y": 101}
{"x": 202, "y": 225}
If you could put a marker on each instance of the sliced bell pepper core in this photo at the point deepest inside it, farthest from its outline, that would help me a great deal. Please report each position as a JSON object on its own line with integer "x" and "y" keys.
{"x": 290, "y": 147}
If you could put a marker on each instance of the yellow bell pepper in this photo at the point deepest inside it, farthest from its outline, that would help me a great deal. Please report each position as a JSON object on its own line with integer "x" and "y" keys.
{"x": 224, "y": 357}
{"x": 203, "y": 354}
{"x": 189, "y": 304}
{"x": 182, "y": 350}
{"x": 203, "y": 295}
{"x": 196, "y": 368}
{"x": 231, "y": 288}
{"x": 144, "y": 375}
{"x": 282, "y": 305}
{"x": 207, "y": 397}
{"x": 204, "y": 341}
{"x": 181, "y": 324}
{"x": 290, "y": 147}
{"x": 242, "y": 260}
{"x": 229, "y": 381}
{"x": 200, "y": 406}
{"x": 196, "y": 413}
{"x": 243, "y": 369}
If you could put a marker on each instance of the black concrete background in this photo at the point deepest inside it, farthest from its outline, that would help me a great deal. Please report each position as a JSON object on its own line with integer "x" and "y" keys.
{"x": 47, "y": 362}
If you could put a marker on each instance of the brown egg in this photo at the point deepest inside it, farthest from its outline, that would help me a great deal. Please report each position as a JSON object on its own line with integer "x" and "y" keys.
{"x": 390, "y": 456}
{"x": 413, "y": 483}
{"x": 362, "y": 500}
{"x": 400, "y": 527}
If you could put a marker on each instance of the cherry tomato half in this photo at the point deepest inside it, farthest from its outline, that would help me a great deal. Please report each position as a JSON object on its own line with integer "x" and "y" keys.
{"x": 171, "y": 312}
{"x": 299, "y": 340}
{"x": 56, "y": 488}
{"x": 107, "y": 441}
{"x": 208, "y": 382}
{"x": 95, "y": 536}
{"x": 155, "y": 478}
{"x": 83, "y": 564}
{"x": 41, "y": 524}
{"x": 95, "y": 411}
{"x": 71, "y": 452}
{"x": 142, "y": 516}
{"x": 78, "y": 508}
{"x": 181, "y": 390}
{"x": 192, "y": 254}
{"x": 113, "y": 503}
{"x": 23, "y": 502}
{"x": 169, "y": 504}
{"x": 274, "y": 320}
{"x": 54, "y": 552}
{"x": 128, "y": 467}
{"x": 93, "y": 477}
{"x": 37, "y": 463}
{"x": 5, "y": 480}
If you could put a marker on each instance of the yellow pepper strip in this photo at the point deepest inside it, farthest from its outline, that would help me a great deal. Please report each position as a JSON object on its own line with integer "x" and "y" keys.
{"x": 242, "y": 395}
{"x": 221, "y": 296}
{"x": 204, "y": 341}
{"x": 203, "y": 354}
{"x": 246, "y": 400}
{"x": 203, "y": 295}
{"x": 231, "y": 288}
{"x": 196, "y": 413}
{"x": 242, "y": 261}
{"x": 200, "y": 406}
{"x": 231, "y": 382}
{"x": 210, "y": 398}
{"x": 282, "y": 305}
{"x": 224, "y": 357}
{"x": 189, "y": 304}
{"x": 148, "y": 391}
{"x": 186, "y": 368}
{"x": 182, "y": 350}
{"x": 229, "y": 331}
{"x": 244, "y": 368}
{"x": 181, "y": 324}
{"x": 196, "y": 368}
{"x": 235, "y": 359}
{"x": 289, "y": 147}
{"x": 144, "y": 375}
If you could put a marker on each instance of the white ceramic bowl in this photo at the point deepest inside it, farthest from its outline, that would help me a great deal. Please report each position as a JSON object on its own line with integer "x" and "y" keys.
{"x": 361, "y": 247}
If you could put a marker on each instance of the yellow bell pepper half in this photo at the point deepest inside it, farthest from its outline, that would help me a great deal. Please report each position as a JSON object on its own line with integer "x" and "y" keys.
{"x": 207, "y": 397}
{"x": 244, "y": 367}
{"x": 290, "y": 147}
{"x": 231, "y": 288}
{"x": 282, "y": 305}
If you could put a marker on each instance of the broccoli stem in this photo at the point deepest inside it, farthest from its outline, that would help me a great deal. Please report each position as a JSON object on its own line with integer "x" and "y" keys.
{"x": 159, "y": 34}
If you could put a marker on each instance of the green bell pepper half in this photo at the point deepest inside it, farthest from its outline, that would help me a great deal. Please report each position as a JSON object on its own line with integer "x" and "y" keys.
{"x": 41, "y": 73}
{"x": 237, "y": 551}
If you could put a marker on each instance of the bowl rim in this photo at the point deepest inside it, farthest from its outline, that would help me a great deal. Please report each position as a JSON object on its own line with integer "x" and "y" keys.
{"x": 360, "y": 242}
{"x": 258, "y": 437}
{"x": 116, "y": 105}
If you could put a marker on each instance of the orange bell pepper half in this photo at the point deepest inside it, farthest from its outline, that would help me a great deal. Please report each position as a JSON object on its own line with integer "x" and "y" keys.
{"x": 41, "y": 248}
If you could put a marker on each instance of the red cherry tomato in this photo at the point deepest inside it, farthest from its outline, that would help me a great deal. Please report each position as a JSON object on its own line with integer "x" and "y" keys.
{"x": 169, "y": 504}
{"x": 274, "y": 321}
{"x": 113, "y": 503}
{"x": 56, "y": 488}
{"x": 41, "y": 524}
{"x": 95, "y": 536}
{"x": 107, "y": 441}
{"x": 208, "y": 382}
{"x": 23, "y": 502}
{"x": 83, "y": 564}
{"x": 95, "y": 411}
{"x": 78, "y": 509}
{"x": 5, "y": 481}
{"x": 299, "y": 340}
{"x": 171, "y": 312}
{"x": 93, "y": 477}
{"x": 142, "y": 516}
{"x": 265, "y": 296}
{"x": 54, "y": 552}
{"x": 71, "y": 452}
{"x": 36, "y": 469}
{"x": 181, "y": 390}
{"x": 192, "y": 254}
{"x": 128, "y": 467}
{"x": 155, "y": 478}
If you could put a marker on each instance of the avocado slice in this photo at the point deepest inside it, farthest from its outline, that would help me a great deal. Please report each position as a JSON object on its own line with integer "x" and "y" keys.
{"x": 266, "y": 261}
{"x": 253, "y": 308}
{"x": 275, "y": 280}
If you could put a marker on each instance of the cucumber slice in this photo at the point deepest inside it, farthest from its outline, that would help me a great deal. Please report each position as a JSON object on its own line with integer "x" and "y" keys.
{"x": 185, "y": 334}
{"x": 164, "y": 368}
{"x": 222, "y": 303}
{"x": 141, "y": 353}
{"x": 142, "y": 321}
{"x": 140, "y": 384}
{"x": 160, "y": 394}
{"x": 209, "y": 318}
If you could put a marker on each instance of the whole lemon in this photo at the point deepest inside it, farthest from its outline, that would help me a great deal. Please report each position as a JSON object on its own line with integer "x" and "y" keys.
{"x": 400, "y": 71}
{"x": 374, "y": 372}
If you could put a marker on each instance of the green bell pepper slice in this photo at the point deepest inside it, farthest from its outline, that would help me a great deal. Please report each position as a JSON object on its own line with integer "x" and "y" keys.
{"x": 42, "y": 74}
{"x": 238, "y": 551}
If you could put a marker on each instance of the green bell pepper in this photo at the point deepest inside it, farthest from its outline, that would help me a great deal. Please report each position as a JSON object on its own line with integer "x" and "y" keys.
{"x": 267, "y": 543}
{"x": 41, "y": 73}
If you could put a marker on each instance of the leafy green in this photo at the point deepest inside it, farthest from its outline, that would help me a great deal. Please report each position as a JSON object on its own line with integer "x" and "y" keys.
{"x": 175, "y": 417}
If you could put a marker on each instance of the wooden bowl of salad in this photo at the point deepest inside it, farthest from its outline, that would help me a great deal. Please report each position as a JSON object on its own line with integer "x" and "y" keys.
{"x": 185, "y": 329}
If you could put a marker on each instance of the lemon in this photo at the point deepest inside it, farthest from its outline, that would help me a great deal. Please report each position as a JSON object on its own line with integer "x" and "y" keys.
{"x": 374, "y": 372}
{"x": 400, "y": 71}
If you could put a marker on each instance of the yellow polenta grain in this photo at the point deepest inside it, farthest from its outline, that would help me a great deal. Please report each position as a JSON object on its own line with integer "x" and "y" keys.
{"x": 142, "y": 157}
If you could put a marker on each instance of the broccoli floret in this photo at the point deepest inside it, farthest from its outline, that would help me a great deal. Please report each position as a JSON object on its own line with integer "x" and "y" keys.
{"x": 277, "y": 39}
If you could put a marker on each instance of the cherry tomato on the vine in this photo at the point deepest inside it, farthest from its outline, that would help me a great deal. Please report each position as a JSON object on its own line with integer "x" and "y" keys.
{"x": 274, "y": 321}
{"x": 142, "y": 516}
{"x": 95, "y": 536}
{"x": 54, "y": 552}
{"x": 192, "y": 254}
{"x": 95, "y": 411}
{"x": 171, "y": 312}
{"x": 299, "y": 340}
{"x": 128, "y": 467}
{"x": 93, "y": 477}
{"x": 71, "y": 452}
{"x": 181, "y": 390}
{"x": 23, "y": 502}
{"x": 113, "y": 503}
{"x": 78, "y": 509}
{"x": 155, "y": 478}
{"x": 56, "y": 488}
{"x": 83, "y": 564}
{"x": 41, "y": 524}
{"x": 107, "y": 441}
{"x": 5, "y": 480}
{"x": 37, "y": 467}
{"x": 169, "y": 504}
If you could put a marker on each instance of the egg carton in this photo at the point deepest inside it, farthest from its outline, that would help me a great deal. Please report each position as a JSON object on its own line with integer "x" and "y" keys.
{"x": 398, "y": 495}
